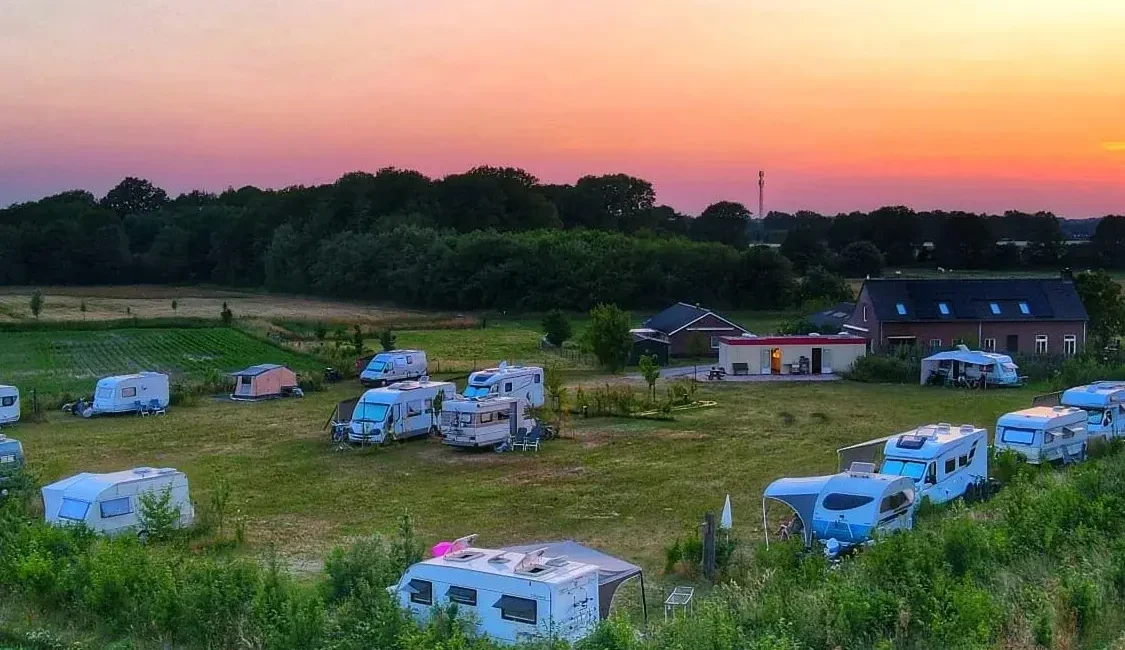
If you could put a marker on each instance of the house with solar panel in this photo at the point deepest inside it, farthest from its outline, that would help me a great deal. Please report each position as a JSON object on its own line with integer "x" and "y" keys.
{"x": 1032, "y": 316}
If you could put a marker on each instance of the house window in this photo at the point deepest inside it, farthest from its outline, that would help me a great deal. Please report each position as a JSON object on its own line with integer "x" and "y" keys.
{"x": 1070, "y": 345}
{"x": 901, "y": 308}
{"x": 421, "y": 592}
{"x": 116, "y": 507}
{"x": 462, "y": 595}
{"x": 1024, "y": 309}
{"x": 1013, "y": 343}
{"x": 8, "y": 401}
{"x": 714, "y": 343}
{"x": 950, "y": 465}
{"x": 520, "y": 610}
{"x": 1040, "y": 344}
{"x": 994, "y": 307}
{"x": 128, "y": 392}
{"x": 935, "y": 344}
{"x": 989, "y": 345}
{"x": 943, "y": 308}
{"x": 865, "y": 313}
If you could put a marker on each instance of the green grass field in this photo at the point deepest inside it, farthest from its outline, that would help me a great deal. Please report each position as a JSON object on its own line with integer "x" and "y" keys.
{"x": 53, "y": 362}
{"x": 627, "y": 486}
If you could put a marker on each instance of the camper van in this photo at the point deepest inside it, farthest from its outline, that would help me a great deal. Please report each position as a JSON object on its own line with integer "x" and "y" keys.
{"x": 110, "y": 503}
{"x": 1044, "y": 434}
{"x": 560, "y": 590}
{"x": 483, "y": 422}
{"x": 9, "y": 405}
{"x": 944, "y": 462}
{"x": 139, "y": 393}
{"x": 525, "y": 382}
{"x": 401, "y": 410}
{"x": 11, "y": 458}
{"x": 387, "y": 367}
{"x": 846, "y": 509}
{"x": 1104, "y": 403}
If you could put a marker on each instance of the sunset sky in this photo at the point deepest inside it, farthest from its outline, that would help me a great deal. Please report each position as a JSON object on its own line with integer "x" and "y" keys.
{"x": 982, "y": 105}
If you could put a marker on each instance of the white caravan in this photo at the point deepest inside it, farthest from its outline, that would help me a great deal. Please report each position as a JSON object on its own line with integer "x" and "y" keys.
{"x": 387, "y": 367}
{"x": 1104, "y": 403}
{"x": 520, "y": 594}
{"x": 483, "y": 422}
{"x": 11, "y": 458}
{"x": 1043, "y": 434}
{"x": 137, "y": 393}
{"x": 525, "y": 382}
{"x": 399, "y": 411}
{"x": 9, "y": 405}
{"x": 110, "y": 503}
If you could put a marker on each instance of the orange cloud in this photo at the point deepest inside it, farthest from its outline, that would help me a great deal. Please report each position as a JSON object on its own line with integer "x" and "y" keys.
{"x": 1114, "y": 146}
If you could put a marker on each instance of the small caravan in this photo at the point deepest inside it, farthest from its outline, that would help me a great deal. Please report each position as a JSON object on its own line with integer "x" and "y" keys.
{"x": 11, "y": 458}
{"x": 1104, "y": 403}
{"x": 945, "y": 462}
{"x": 483, "y": 422}
{"x": 845, "y": 509}
{"x": 264, "y": 381}
{"x": 110, "y": 503}
{"x": 139, "y": 393}
{"x": 1044, "y": 434}
{"x": 518, "y": 594}
{"x": 401, "y": 410}
{"x": 387, "y": 367}
{"x": 9, "y": 405}
{"x": 524, "y": 382}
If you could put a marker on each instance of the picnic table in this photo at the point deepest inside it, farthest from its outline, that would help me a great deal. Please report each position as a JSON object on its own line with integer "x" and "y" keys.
{"x": 716, "y": 374}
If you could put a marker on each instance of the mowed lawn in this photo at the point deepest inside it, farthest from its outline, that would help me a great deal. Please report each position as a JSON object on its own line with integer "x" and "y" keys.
{"x": 56, "y": 361}
{"x": 627, "y": 486}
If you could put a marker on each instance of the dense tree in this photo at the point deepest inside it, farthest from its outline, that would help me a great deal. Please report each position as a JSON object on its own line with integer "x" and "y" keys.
{"x": 135, "y": 196}
{"x": 766, "y": 279}
{"x": 556, "y": 326}
{"x": 821, "y": 287}
{"x": 897, "y": 232}
{"x": 1109, "y": 242}
{"x": 1105, "y": 305}
{"x": 607, "y": 336}
{"x": 726, "y": 222}
{"x": 965, "y": 242}
{"x": 861, "y": 259}
{"x": 805, "y": 247}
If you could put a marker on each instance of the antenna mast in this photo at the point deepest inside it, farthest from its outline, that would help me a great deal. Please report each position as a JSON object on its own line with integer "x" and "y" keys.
{"x": 761, "y": 194}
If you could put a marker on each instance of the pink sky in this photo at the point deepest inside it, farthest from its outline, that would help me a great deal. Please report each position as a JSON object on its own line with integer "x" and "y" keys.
{"x": 962, "y": 104}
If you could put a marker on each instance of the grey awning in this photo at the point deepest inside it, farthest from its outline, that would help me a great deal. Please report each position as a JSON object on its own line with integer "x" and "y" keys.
{"x": 612, "y": 571}
{"x": 800, "y": 494}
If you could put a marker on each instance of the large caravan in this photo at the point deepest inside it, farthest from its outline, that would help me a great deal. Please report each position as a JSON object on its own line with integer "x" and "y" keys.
{"x": 945, "y": 462}
{"x": 484, "y": 422}
{"x": 1044, "y": 434}
{"x": 138, "y": 393}
{"x": 524, "y": 382}
{"x": 399, "y": 411}
{"x": 9, "y": 405}
{"x": 521, "y": 594}
{"x": 1104, "y": 403}
{"x": 110, "y": 503}
{"x": 387, "y": 367}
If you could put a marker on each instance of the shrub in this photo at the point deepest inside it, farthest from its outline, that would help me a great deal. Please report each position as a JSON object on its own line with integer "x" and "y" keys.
{"x": 885, "y": 368}
{"x": 157, "y": 515}
{"x": 557, "y": 328}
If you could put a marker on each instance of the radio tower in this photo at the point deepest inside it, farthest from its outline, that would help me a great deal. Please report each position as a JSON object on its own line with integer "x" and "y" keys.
{"x": 761, "y": 194}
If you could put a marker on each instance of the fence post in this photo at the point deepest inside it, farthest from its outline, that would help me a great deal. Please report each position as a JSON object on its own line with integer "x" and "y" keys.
{"x": 709, "y": 546}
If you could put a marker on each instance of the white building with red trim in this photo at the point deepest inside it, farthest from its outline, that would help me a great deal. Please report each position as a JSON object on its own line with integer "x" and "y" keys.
{"x": 813, "y": 354}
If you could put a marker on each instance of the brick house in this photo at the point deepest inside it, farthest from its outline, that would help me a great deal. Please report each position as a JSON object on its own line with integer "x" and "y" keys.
{"x": 1024, "y": 315}
{"x": 679, "y": 324}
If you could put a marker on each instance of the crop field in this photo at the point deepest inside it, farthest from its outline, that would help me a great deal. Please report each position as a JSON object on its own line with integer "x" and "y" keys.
{"x": 65, "y": 361}
{"x": 628, "y": 486}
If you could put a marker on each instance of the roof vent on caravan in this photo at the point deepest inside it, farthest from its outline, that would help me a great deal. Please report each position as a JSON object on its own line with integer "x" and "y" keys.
{"x": 500, "y": 559}
{"x": 531, "y": 564}
{"x": 462, "y": 556}
{"x": 909, "y": 441}
{"x": 166, "y": 470}
{"x": 460, "y": 544}
{"x": 967, "y": 428}
{"x": 143, "y": 471}
{"x": 944, "y": 427}
{"x": 862, "y": 468}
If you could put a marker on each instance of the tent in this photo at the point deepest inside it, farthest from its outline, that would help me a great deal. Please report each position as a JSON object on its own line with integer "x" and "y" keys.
{"x": 263, "y": 380}
{"x": 974, "y": 364}
{"x": 612, "y": 572}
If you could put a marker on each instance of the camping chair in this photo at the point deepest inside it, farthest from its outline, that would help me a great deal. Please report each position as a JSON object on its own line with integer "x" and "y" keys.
{"x": 531, "y": 440}
{"x": 519, "y": 440}
{"x": 141, "y": 408}
{"x": 154, "y": 408}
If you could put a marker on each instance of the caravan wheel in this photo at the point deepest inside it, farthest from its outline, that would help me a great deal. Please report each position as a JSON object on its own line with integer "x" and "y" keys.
{"x": 142, "y": 537}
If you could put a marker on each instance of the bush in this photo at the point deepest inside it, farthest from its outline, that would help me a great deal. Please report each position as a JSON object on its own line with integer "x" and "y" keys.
{"x": 556, "y": 326}
{"x": 904, "y": 368}
{"x": 158, "y": 517}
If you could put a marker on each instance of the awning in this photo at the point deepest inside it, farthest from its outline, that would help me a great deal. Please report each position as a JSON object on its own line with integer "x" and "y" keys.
{"x": 861, "y": 452}
{"x": 800, "y": 494}
{"x": 612, "y": 571}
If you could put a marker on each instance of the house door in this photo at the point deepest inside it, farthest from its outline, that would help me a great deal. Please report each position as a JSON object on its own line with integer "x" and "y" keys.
{"x": 1013, "y": 343}
{"x": 775, "y": 361}
{"x": 764, "y": 368}
{"x": 816, "y": 360}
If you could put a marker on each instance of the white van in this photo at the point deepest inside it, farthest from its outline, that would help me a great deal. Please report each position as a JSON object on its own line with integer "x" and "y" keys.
{"x": 9, "y": 405}
{"x": 388, "y": 367}
{"x": 524, "y": 382}
{"x": 109, "y": 503}
{"x": 399, "y": 411}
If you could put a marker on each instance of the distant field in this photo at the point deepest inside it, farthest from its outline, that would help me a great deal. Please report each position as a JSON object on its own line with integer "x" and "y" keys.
{"x": 69, "y": 361}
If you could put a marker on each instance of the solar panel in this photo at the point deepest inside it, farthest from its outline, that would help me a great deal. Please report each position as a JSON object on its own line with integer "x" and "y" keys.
{"x": 910, "y": 442}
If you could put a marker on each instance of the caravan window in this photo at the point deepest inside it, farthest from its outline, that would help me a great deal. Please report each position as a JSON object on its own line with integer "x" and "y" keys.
{"x": 503, "y": 415}
{"x": 896, "y": 501}
{"x": 1017, "y": 436}
{"x": 8, "y": 401}
{"x": 466, "y": 418}
{"x": 7, "y": 459}
{"x": 520, "y": 610}
{"x": 462, "y": 595}
{"x": 950, "y": 465}
{"x": 841, "y": 501}
{"x": 538, "y": 378}
{"x": 129, "y": 392}
{"x": 116, "y": 507}
{"x": 414, "y": 408}
{"x": 246, "y": 380}
{"x": 377, "y": 366}
{"x": 910, "y": 468}
{"x": 475, "y": 391}
{"x": 485, "y": 418}
{"x": 507, "y": 387}
{"x": 421, "y": 592}
{"x": 370, "y": 412}
{"x": 409, "y": 361}
{"x": 73, "y": 509}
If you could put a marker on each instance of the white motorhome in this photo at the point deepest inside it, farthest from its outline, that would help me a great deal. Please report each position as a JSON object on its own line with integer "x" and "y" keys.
{"x": 136, "y": 393}
{"x": 399, "y": 411}
{"x": 110, "y": 503}
{"x": 9, "y": 405}
{"x": 1043, "y": 434}
{"x": 1104, "y": 403}
{"x": 387, "y": 367}
{"x": 483, "y": 422}
{"x": 520, "y": 594}
{"x": 525, "y": 382}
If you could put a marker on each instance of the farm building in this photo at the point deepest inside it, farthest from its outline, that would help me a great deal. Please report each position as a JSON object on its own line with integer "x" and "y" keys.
{"x": 814, "y": 354}
{"x": 262, "y": 381}
{"x": 682, "y": 329}
{"x": 1042, "y": 316}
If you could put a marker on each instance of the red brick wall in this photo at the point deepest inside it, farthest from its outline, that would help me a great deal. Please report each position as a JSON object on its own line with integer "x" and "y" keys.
{"x": 972, "y": 334}
{"x": 679, "y": 343}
